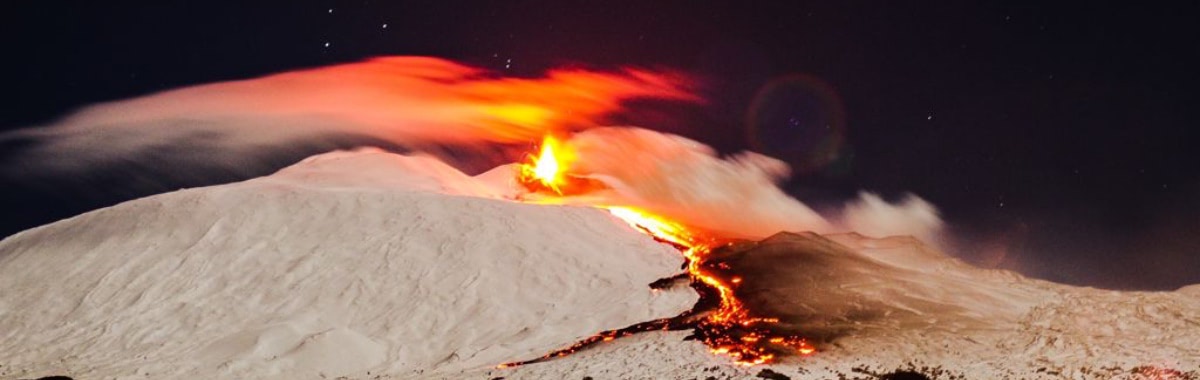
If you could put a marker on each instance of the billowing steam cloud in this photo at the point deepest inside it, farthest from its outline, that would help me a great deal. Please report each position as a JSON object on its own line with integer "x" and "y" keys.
{"x": 685, "y": 180}
{"x": 737, "y": 197}
{"x": 872, "y": 216}
{"x": 428, "y": 104}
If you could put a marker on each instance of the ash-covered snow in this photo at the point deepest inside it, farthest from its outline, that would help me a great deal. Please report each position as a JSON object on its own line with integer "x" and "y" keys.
{"x": 903, "y": 306}
{"x": 373, "y": 265}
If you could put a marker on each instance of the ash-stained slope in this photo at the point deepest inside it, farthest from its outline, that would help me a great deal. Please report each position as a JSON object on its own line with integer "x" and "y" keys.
{"x": 826, "y": 290}
{"x": 875, "y": 306}
{"x": 345, "y": 264}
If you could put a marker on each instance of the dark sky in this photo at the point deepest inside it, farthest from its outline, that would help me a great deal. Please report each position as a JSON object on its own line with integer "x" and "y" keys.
{"x": 1056, "y": 138}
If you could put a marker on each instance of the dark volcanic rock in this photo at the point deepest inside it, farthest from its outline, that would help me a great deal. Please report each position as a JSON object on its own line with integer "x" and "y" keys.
{"x": 766, "y": 373}
{"x": 903, "y": 375}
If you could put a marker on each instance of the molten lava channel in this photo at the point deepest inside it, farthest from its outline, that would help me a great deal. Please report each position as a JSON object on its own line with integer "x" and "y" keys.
{"x": 719, "y": 319}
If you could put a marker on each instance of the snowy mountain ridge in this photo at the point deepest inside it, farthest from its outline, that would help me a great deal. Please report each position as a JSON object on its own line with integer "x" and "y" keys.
{"x": 367, "y": 264}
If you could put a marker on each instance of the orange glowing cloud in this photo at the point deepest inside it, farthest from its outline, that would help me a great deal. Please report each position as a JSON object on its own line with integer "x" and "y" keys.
{"x": 417, "y": 103}
{"x": 401, "y": 99}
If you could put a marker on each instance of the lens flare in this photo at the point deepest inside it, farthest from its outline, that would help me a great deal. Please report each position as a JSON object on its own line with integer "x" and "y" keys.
{"x": 801, "y": 119}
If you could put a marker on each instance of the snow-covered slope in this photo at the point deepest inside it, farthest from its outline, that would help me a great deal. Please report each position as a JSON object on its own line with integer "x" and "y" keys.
{"x": 893, "y": 303}
{"x": 373, "y": 265}
{"x": 346, "y": 264}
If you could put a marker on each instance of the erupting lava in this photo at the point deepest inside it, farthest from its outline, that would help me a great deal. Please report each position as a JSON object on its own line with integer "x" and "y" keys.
{"x": 548, "y": 169}
{"x": 725, "y": 325}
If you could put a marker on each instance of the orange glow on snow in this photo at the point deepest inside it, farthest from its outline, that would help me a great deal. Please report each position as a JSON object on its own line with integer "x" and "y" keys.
{"x": 654, "y": 225}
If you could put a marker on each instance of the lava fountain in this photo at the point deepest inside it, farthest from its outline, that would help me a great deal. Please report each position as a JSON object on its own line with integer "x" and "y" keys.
{"x": 719, "y": 319}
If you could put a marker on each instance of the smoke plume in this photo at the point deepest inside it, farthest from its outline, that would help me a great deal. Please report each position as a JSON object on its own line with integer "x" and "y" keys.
{"x": 407, "y": 102}
{"x": 461, "y": 114}
{"x": 735, "y": 197}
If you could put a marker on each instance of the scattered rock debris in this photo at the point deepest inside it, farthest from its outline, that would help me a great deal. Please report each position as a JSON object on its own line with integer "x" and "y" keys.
{"x": 904, "y": 375}
{"x": 913, "y": 371}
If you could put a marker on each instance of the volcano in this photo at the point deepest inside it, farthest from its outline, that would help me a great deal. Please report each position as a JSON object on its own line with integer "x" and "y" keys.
{"x": 368, "y": 264}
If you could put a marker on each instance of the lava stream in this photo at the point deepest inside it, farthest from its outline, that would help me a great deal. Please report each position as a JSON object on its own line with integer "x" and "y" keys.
{"x": 718, "y": 319}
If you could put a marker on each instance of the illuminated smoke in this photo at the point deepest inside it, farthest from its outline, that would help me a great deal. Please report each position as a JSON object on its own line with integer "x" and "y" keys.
{"x": 425, "y": 104}
{"x": 407, "y": 102}
{"x": 872, "y": 216}
{"x": 459, "y": 113}
{"x": 737, "y": 197}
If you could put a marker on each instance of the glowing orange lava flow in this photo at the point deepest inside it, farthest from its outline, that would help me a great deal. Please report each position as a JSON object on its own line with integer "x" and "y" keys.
{"x": 728, "y": 330}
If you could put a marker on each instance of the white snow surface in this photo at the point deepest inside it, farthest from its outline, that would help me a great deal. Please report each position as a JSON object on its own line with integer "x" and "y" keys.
{"x": 372, "y": 265}
{"x": 345, "y": 264}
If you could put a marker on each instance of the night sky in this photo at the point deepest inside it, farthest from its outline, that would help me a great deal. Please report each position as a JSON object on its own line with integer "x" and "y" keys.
{"x": 1056, "y": 139}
